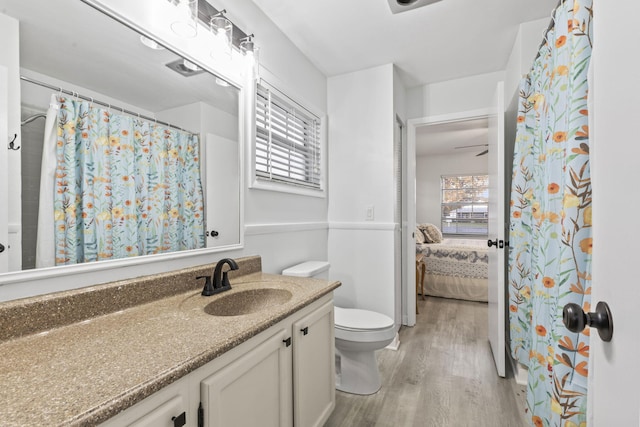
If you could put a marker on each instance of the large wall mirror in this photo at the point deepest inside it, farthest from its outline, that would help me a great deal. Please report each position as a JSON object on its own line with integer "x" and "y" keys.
{"x": 68, "y": 46}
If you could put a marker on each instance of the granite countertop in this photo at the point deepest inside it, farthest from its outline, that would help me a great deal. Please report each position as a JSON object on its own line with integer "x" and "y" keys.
{"x": 85, "y": 372}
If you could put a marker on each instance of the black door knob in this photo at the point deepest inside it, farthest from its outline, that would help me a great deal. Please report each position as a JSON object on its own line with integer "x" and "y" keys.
{"x": 575, "y": 319}
{"x": 1, "y": 248}
{"x": 492, "y": 242}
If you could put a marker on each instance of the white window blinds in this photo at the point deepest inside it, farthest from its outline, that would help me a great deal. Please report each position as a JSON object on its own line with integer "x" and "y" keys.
{"x": 287, "y": 141}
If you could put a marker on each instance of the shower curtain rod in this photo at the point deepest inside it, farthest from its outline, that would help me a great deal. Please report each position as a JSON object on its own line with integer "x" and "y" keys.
{"x": 32, "y": 118}
{"x": 104, "y": 104}
{"x": 552, "y": 24}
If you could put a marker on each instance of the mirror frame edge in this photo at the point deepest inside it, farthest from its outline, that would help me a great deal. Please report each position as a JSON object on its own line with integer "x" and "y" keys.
{"x": 24, "y": 276}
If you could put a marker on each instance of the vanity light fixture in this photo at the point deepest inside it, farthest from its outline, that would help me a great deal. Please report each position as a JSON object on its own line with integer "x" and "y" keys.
{"x": 247, "y": 46}
{"x": 222, "y": 30}
{"x": 227, "y": 36}
{"x": 250, "y": 52}
{"x": 150, "y": 43}
{"x": 185, "y": 23}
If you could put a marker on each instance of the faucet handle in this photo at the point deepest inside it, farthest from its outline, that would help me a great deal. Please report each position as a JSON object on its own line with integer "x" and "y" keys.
{"x": 208, "y": 286}
{"x": 225, "y": 280}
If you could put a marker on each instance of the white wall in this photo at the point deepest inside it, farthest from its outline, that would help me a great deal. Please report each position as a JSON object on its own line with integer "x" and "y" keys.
{"x": 453, "y": 96}
{"x": 283, "y": 228}
{"x": 360, "y": 105}
{"x": 9, "y": 58}
{"x": 525, "y": 48}
{"x": 269, "y": 214}
{"x": 429, "y": 169}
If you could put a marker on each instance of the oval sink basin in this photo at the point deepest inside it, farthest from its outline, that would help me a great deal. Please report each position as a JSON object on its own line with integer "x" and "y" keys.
{"x": 247, "y": 302}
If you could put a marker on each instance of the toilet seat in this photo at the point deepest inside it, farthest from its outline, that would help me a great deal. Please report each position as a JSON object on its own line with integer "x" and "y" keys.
{"x": 362, "y": 325}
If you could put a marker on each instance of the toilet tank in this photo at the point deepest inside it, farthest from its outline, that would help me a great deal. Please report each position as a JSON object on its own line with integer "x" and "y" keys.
{"x": 315, "y": 269}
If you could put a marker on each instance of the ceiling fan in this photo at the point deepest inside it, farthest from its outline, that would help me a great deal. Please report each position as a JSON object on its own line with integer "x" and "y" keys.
{"x": 482, "y": 153}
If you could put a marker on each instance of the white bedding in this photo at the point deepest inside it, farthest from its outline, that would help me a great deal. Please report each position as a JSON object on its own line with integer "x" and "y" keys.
{"x": 456, "y": 268}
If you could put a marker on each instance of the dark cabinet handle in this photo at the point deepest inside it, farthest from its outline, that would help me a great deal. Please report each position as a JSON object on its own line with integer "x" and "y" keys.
{"x": 212, "y": 233}
{"x": 287, "y": 342}
{"x": 305, "y": 330}
{"x": 492, "y": 242}
{"x": 575, "y": 319}
{"x": 180, "y": 420}
{"x": 1, "y": 248}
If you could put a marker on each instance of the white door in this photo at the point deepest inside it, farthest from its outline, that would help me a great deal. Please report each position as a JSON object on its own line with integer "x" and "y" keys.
{"x": 409, "y": 219}
{"x": 4, "y": 195}
{"x": 614, "y": 395}
{"x": 222, "y": 186}
{"x": 497, "y": 231}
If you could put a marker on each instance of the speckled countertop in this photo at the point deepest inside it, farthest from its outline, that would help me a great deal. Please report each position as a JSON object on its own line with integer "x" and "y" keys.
{"x": 87, "y": 369}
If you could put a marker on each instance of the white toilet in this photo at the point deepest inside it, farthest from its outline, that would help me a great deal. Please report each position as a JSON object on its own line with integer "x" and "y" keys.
{"x": 358, "y": 334}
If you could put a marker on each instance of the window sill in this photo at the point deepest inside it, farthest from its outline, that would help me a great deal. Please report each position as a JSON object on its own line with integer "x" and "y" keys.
{"x": 259, "y": 184}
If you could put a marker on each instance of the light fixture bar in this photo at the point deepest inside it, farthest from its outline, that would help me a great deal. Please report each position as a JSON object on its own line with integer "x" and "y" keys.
{"x": 206, "y": 12}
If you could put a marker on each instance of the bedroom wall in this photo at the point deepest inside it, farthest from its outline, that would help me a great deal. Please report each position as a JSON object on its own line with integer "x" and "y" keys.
{"x": 428, "y": 172}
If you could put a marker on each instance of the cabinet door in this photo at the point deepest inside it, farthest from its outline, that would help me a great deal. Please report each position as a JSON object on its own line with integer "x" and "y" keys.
{"x": 159, "y": 409}
{"x": 255, "y": 390}
{"x": 314, "y": 367}
{"x": 163, "y": 415}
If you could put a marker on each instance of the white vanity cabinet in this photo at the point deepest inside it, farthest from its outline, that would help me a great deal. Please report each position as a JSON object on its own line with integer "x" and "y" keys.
{"x": 284, "y": 376}
{"x": 314, "y": 390}
{"x": 162, "y": 409}
{"x": 254, "y": 390}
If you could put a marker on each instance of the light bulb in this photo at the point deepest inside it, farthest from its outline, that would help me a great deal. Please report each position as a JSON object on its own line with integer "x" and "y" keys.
{"x": 186, "y": 16}
{"x": 222, "y": 30}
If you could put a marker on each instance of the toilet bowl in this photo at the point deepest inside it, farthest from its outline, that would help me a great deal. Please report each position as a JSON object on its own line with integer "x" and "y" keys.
{"x": 358, "y": 334}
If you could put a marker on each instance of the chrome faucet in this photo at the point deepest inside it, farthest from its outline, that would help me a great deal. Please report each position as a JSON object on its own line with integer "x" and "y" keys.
{"x": 220, "y": 278}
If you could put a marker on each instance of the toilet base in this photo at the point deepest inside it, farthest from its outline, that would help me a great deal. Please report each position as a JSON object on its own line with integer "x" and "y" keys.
{"x": 357, "y": 372}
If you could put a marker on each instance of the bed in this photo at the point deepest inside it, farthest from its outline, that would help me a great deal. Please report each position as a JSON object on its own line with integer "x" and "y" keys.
{"x": 456, "y": 268}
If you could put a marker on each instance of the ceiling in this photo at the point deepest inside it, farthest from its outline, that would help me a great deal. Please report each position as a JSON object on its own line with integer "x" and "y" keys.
{"x": 429, "y": 42}
{"x": 465, "y": 138}
{"x": 71, "y": 41}
{"x": 441, "y": 41}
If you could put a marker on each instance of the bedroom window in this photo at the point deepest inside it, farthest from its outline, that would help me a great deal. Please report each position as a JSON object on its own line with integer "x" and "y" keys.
{"x": 465, "y": 204}
{"x": 287, "y": 143}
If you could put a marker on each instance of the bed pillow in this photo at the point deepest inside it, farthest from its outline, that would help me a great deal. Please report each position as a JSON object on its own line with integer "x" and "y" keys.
{"x": 432, "y": 234}
{"x": 420, "y": 236}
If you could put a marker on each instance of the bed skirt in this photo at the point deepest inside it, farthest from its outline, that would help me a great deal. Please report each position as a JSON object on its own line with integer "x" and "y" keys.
{"x": 466, "y": 288}
{"x": 456, "y": 269}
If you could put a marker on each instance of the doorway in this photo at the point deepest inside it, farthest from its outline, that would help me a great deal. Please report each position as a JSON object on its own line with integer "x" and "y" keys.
{"x": 427, "y": 128}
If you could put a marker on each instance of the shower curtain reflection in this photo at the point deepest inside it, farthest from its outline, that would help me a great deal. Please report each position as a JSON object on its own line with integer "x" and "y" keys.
{"x": 31, "y": 137}
{"x": 124, "y": 186}
{"x": 45, "y": 248}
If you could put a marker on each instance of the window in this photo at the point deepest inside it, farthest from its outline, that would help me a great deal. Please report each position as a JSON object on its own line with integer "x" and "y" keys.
{"x": 287, "y": 149}
{"x": 465, "y": 204}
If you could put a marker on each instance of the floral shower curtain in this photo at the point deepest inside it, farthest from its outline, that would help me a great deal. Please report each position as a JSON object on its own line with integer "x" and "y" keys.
{"x": 123, "y": 186}
{"x": 550, "y": 231}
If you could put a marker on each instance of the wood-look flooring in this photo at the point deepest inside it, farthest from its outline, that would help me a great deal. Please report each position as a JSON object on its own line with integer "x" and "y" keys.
{"x": 443, "y": 375}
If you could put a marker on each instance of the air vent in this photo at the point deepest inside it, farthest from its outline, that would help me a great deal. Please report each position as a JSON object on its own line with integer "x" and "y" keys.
{"x": 184, "y": 68}
{"x": 398, "y": 6}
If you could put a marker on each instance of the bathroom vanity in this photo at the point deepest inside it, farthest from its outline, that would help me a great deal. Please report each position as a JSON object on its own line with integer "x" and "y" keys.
{"x": 146, "y": 352}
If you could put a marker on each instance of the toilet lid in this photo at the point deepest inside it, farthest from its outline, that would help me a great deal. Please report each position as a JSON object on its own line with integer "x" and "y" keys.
{"x": 356, "y": 319}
